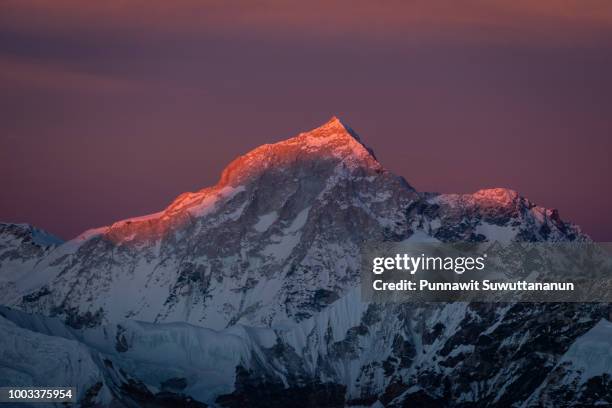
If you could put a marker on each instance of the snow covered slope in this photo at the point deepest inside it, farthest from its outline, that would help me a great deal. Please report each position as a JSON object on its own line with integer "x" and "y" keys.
{"x": 21, "y": 248}
{"x": 29, "y": 359}
{"x": 583, "y": 376}
{"x": 354, "y": 353}
{"x": 174, "y": 357}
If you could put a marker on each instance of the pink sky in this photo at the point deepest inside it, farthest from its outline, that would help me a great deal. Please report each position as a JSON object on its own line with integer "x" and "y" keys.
{"x": 110, "y": 111}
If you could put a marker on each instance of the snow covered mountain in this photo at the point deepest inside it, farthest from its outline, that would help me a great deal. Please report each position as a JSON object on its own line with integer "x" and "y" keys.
{"x": 247, "y": 294}
{"x": 276, "y": 240}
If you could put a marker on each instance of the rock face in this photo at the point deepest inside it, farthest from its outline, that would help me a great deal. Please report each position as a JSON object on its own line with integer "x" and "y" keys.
{"x": 262, "y": 272}
{"x": 21, "y": 248}
{"x": 494, "y": 214}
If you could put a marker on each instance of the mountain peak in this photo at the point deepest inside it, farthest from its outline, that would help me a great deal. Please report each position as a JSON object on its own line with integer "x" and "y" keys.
{"x": 328, "y": 150}
{"x": 332, "y": 140}
{"x": 336, "y": 122}
{"x": 334, "y": 136}
{"x": 29, "y": 233}
{"x": 335, "y": 126}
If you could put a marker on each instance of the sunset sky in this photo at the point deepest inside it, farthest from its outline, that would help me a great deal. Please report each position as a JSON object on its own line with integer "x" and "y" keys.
{"x": 111, "y": 110}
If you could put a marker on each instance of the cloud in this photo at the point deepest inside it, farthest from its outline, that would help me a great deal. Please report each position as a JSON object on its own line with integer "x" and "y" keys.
{"x": 21, "y": 73}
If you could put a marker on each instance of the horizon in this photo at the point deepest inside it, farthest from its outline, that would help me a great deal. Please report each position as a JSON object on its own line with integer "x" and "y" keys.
{"x": 347, "y": 127}
{"x": 334, "y": 118}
